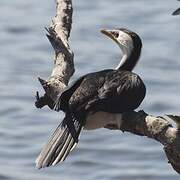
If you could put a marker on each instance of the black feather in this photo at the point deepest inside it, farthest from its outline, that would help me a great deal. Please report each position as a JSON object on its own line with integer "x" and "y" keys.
{"x": 61, "y": 142}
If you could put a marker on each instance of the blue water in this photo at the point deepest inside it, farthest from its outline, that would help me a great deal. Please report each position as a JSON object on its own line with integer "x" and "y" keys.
{"x": 26, "y": 54}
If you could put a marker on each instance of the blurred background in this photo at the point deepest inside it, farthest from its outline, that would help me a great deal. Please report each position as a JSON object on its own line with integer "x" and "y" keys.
{"x": 25, "y": 54}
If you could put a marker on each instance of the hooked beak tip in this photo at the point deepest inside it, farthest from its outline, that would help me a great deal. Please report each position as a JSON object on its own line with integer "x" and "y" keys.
{"x": 108, "y": 34}
{"x": 104, "y": 31}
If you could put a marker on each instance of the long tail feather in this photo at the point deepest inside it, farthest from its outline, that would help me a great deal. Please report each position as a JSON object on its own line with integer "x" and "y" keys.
{"x": 60, "y": 144}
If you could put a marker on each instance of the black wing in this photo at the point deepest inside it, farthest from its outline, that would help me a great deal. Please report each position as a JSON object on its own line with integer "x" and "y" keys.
{"x": 122, "y": 91}
{"x": 114, "y": 91}
{"x": 108, "y": 90}
{"x": 81, "y": 91}
{"x": 63, "y": 98}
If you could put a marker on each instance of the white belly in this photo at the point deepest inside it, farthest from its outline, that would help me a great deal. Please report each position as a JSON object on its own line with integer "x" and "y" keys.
{"x": 101, "y": 119}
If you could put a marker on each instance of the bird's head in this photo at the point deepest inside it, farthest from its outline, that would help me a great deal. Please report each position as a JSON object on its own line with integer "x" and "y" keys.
{"x": 129, "y": 42}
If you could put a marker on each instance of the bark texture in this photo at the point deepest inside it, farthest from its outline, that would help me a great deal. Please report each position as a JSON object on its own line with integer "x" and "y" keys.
{"x": 138, "y": 123}
{"x": 157, "y": 128}
{"x": 58, "y": 34}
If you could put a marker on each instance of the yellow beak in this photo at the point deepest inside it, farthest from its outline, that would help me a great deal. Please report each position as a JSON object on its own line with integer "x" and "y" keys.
{"x": 109, "y": 34}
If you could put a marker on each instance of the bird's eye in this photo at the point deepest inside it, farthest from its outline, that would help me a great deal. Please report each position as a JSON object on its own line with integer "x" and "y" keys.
{"x": 115, "y": 34}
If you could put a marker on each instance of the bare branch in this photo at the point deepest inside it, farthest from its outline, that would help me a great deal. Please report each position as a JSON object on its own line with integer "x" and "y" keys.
{"x": 157, "y": 128}
{"x": 58, "y": 34}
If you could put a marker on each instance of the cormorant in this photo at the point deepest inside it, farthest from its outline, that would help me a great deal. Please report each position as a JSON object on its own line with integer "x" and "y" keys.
{"x": 88, "y": 102}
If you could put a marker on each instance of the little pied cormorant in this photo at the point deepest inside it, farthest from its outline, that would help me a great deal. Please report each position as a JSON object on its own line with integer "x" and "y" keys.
{"x": 87, "y": 102}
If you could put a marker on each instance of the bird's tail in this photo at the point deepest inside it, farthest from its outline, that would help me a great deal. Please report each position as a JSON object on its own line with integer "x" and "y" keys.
{"x": 61, "y": 143}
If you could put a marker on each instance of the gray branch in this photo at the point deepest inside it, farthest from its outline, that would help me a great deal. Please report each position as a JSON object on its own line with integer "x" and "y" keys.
{"x": 58, "y": 35}
{"x": 157, "y": 128}
{"x": 138, "y": 123}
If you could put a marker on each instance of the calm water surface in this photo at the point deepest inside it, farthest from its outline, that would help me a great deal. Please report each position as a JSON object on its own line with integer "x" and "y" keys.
{"x": 26, "y": 54}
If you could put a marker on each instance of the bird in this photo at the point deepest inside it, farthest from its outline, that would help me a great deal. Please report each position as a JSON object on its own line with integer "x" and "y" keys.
{"x": 92, "y": 99}
{"x": 176, "y": 12}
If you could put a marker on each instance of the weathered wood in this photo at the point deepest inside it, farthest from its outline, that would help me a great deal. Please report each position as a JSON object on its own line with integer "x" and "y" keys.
{"x": 58, "y": 35}
{"x": 157, "y": 128}
{"x": 138, "y": 123}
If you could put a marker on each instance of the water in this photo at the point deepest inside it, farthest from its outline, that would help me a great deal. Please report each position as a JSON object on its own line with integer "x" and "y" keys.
{"x": 26, "y": 54}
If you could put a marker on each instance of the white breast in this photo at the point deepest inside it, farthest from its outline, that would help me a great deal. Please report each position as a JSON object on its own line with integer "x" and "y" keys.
{"x": 101, "y": 119}
{"x": 125, "y": 43}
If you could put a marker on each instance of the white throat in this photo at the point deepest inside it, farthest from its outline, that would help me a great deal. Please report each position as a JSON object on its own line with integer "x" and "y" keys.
{"x": 122, "y": 61}
{"x": 125, "y": 43}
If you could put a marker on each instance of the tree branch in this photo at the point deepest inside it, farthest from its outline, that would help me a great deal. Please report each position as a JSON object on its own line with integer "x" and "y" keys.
{"x": 138, "y": 123}
{"x": 58, "y": 34}
{"x": 157, "y": 128}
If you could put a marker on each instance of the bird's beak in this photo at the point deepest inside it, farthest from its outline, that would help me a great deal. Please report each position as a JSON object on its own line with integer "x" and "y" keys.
{"x": 109, "y": 34}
